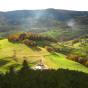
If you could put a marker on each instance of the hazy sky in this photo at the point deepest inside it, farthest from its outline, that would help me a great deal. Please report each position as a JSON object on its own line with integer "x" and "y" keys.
{"x": 8, "y": 5}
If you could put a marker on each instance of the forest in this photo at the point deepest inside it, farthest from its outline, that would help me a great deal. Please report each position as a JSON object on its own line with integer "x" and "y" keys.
{"x": 29, "y": 78}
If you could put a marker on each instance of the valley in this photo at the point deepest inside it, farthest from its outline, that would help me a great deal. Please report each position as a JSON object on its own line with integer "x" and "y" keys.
{"x": 45, "y": 48}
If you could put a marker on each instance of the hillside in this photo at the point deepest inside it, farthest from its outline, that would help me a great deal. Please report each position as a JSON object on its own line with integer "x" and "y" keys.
{"x": 71, "y": 22}
{"x": 13, "y": 54}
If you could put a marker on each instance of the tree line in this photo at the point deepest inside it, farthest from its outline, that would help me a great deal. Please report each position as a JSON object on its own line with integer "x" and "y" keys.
{"x": 29, "y": 78}
{"x": 29, "y": 38}
{"x": 76, "y": 58}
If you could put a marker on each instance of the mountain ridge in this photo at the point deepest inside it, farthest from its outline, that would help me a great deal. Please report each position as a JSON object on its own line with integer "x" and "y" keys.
{"x": 43, "y": 20}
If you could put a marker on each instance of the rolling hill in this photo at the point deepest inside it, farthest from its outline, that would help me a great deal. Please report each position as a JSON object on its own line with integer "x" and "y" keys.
{"x": 13, "y": 54}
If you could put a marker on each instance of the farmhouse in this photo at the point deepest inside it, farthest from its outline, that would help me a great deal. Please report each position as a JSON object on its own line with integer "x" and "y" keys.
{"x": 40, "y": 66}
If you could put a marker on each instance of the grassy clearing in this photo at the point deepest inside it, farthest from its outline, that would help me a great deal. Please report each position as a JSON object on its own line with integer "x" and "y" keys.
{"x": 53, "y": 33}
{"x": 61, "y": 62}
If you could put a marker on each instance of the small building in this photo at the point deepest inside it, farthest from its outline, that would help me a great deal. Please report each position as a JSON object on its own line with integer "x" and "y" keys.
{"x": 40, "y": 66}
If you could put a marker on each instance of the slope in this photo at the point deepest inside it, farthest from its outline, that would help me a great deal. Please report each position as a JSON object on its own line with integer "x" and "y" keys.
{"x": 13, "y": 54}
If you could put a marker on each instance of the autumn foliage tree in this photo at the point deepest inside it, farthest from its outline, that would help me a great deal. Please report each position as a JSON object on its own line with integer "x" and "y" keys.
{"x": 78, "y": 59}
{"x": 13, "y": 38}
{"x": 29, "y": 38}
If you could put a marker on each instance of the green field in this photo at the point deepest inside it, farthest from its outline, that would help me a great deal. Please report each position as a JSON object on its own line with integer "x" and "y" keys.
{"x": 33, "y": 55}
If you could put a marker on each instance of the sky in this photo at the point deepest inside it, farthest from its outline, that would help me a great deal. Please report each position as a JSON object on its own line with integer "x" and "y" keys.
{"x": 9, "y": 5}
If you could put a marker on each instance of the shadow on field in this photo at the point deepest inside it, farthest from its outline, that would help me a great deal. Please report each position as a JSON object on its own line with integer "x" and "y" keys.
{"x": 3, "y": 62}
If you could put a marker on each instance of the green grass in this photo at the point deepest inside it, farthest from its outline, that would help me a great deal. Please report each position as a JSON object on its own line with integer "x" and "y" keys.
{"x": 53, "y": 33}
{"x": 33, "y": 55}
{"x": 61, "y": 62}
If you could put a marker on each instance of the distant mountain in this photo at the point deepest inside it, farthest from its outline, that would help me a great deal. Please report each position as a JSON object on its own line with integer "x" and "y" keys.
{"x": 43, "y": 20}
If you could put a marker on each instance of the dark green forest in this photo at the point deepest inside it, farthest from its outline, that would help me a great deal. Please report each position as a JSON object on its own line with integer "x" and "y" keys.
{"x": 29, "y": 78}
